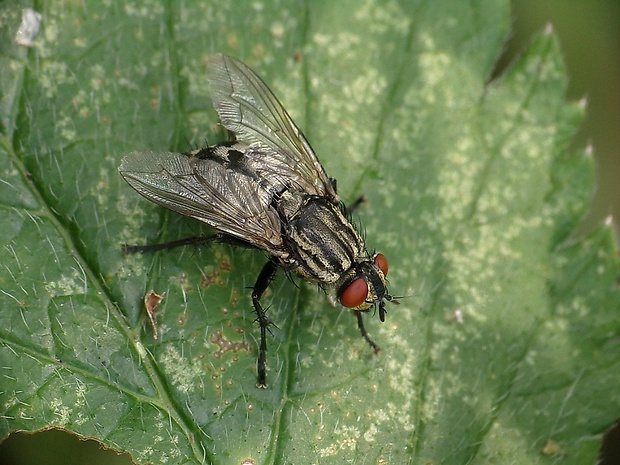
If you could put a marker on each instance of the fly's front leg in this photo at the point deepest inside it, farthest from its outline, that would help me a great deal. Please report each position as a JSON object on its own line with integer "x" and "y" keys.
{"x": 360, "y": 325}
{"x": 262, "y": 282}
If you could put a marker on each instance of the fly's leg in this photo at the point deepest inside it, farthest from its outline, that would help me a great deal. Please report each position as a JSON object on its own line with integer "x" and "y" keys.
{"x": 348, "y": 209}
{"x": 360, "y": 322}
{"x": 360, "y": 325}
{"x": 196, "y": 240}
{"x": 356, "y": 204}
{"x": 262, "y": 282}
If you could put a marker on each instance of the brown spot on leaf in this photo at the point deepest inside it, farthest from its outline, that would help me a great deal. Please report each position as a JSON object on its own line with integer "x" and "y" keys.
{"x": 151, "y": 302}
{"x": 225, "y": 345}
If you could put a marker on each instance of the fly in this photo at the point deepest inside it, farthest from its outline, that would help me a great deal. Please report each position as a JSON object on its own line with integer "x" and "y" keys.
{"x": 265, "y": 190}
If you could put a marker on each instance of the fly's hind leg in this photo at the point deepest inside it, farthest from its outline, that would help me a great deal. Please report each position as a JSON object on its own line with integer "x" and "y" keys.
{"x": 196, "y": 241}
{"x": 262, "y": 282}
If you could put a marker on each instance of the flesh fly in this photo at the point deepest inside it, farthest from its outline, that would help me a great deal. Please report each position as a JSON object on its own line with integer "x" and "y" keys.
{"x": 266, "y": 190}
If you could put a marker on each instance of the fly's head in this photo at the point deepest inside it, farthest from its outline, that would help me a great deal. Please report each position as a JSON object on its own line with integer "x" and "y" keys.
{"x": 363, "y": 286}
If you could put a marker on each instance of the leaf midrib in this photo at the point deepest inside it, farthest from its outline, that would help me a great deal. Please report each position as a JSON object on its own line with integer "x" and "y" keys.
{"x": 164, "y": 401}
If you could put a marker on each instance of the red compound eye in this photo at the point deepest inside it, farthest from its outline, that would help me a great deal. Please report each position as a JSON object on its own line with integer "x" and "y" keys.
{"x": 355, "y": 294}
{"x": 382, "y": 263}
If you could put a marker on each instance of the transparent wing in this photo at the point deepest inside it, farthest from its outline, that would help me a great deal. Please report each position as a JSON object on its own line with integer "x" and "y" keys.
{"x": 227, "y": 200}
{"x": 278, "y": 151}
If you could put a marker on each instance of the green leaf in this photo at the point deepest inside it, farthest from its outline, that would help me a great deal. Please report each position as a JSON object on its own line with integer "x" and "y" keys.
{"x": 504, "y": 348}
